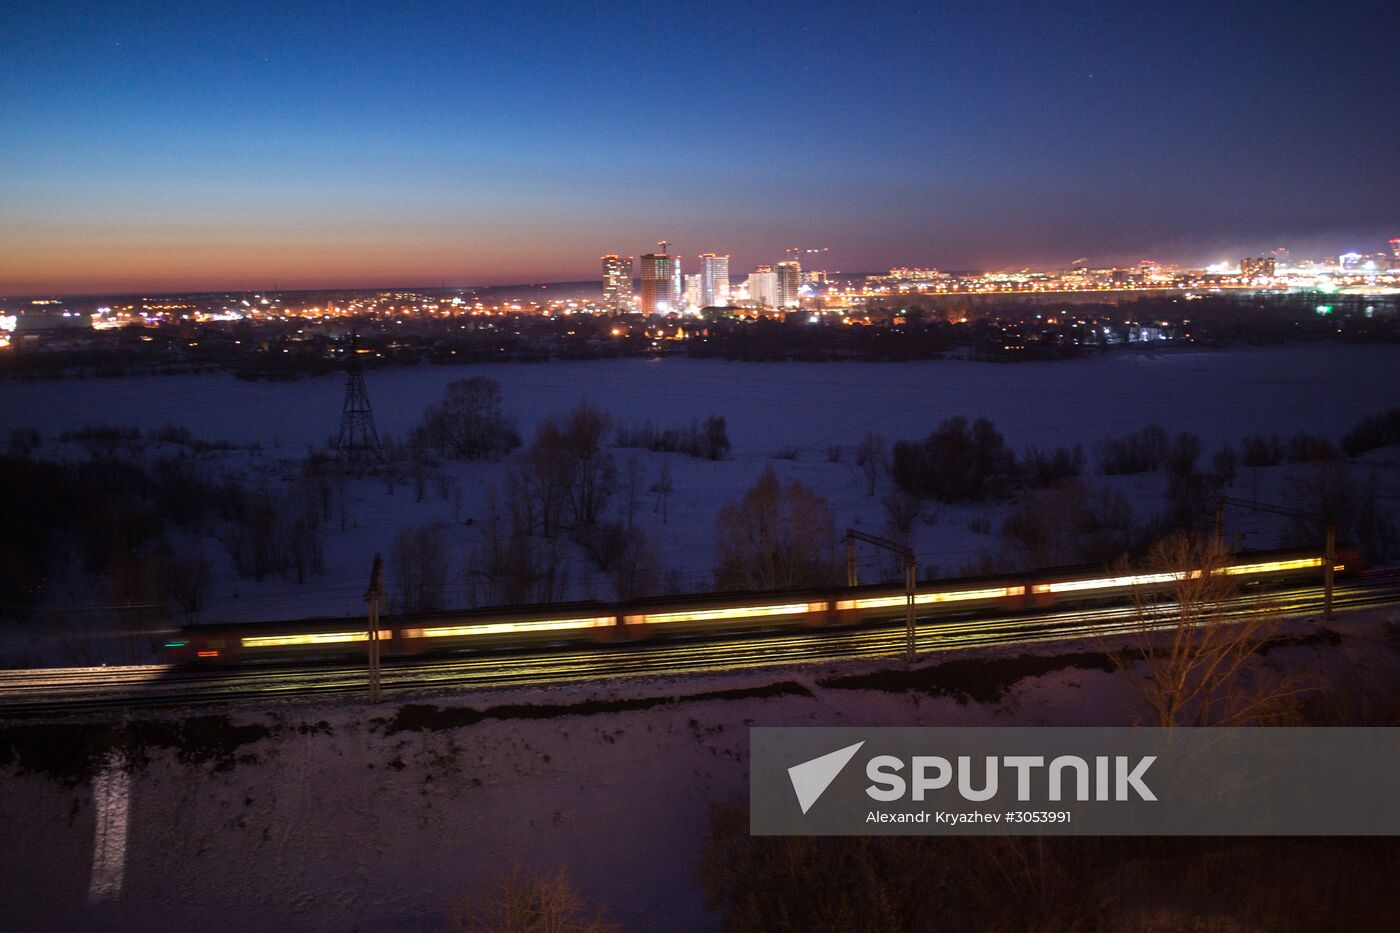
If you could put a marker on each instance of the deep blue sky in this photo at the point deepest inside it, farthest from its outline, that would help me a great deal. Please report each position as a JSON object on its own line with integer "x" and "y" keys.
{"x": 233, "y": 145}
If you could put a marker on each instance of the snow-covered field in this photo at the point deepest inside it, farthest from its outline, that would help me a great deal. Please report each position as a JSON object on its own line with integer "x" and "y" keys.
{"x": 340, "y": 817}
{"x": 801, "y": 408}
{"x": 1218, "y": 394}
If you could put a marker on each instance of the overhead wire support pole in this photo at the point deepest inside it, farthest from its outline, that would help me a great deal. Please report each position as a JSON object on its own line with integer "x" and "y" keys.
{"x": 1329, "y": 570}
{"x": 1329, "y": 557}
{"x": 911, "y": 580}
{"x": 852, "y": 578}
{"x": 375, "y": 597}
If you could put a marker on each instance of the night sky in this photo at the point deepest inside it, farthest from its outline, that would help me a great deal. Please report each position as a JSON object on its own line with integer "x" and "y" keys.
{"x": 167, "y": 146}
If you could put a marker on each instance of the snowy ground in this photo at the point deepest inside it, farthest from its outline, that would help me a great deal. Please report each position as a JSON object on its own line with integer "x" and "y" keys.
{"x": 1220, "y": 395}
{"x": 338, "y": 817}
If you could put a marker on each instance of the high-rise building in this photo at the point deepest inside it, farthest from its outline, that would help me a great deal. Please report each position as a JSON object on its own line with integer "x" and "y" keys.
{"x": 714, "y": 280}
{"x": 763, "y": 287}
{"x": 693, "y": 289}
{"x": 617, "y": 280}
{"x": 789, "y": 283}
{"x": 1257, "y": 267}
{"x": 660, "y": 282}
{"x": 1395, "y": 253}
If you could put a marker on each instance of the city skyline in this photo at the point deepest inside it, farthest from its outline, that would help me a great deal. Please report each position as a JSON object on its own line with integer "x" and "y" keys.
{"x": 713, "y": 280}
{"x": 356, "y": 146}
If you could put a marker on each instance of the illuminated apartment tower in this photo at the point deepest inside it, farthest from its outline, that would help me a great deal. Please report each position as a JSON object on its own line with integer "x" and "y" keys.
{"x": 714, "y": 280}
{"x": 763, "y": 287}
{"x": 789, "y": 281}
{"x": 693, "y": 298}
{"x": 1257, "y": 267}
{"x": 617, "y": 281}
{"x": 660, "y": 282}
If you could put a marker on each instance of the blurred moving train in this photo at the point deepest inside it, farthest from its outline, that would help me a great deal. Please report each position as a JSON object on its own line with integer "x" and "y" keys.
{"x": 306, "y": 639}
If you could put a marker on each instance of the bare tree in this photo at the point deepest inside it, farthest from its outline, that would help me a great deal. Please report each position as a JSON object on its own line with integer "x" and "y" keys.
{"x": 419, "y": 470}
{"x": 902, "y": 509}
{"x": 776, "y": 536}
{"x": 1069, "y": 523}
{"x": 1324, "y": 488}
{"x": 566, "y": 473}
{"x": 418, "y": 562}
{"x": 512, "y": 565}
{"x": 187, "y": 582}
{"x": 468, "y": 423}
{"x": 715, "y": 443}
{"x": 631, "y": 488}
{"x": 663, "y": 487}
{"x": 1189, "y": 658}
{"x": 872, "y": 458}
{"x": 593, "y": 471}
{"x": 521, "y": 903}
{"x": 634, "y": 571}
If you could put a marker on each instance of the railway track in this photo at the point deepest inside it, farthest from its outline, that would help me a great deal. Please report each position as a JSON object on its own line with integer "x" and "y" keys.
{"x": 50, "y": 691}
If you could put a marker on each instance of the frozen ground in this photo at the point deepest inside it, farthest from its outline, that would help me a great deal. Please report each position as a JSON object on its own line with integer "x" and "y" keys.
{"x": 1220, "y": 395}
{"x": 340, "y": 817}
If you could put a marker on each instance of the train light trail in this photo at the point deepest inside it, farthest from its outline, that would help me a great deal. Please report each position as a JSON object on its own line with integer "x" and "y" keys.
{"x": 741, "y": 612}
{"x": 923, "y": 599}
{"x": 1275, "y": 566}
{"x": 312, "y": 638}
{"x": 1103, "y": 583}
{"x": 505, "y": 628}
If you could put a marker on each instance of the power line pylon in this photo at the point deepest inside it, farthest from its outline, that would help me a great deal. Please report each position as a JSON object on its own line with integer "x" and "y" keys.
{"x": 358, "y": 441}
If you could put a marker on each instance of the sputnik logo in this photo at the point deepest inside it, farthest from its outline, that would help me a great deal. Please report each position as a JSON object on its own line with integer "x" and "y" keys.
{"x": 811, "y": 778}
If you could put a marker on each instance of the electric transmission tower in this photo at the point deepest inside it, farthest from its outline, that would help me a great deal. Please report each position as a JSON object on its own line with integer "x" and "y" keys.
{"x": 358, "y": 441}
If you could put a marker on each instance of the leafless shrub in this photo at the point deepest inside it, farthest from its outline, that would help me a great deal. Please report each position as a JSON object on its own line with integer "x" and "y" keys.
{"x": 634, "y": 571}
{"x": 873, "y": 459}
{"x": 902, "y": 509}
{"x": 520, "y": 903}
{"x": 512, "y": 565}
{"x": 1189, "y": 660}
{"x": 662, "y": 489}
{"x": 776, "y": 536}
{"x": 632, "y": 483}
{"x": 187, "y": 582}
{"x": 468, "y": 423}
{"x": 276, "y": 533}
{"x": 1067, "y": 524}
{"x": 418, "y": 564}
{"x": 566, "y": 474}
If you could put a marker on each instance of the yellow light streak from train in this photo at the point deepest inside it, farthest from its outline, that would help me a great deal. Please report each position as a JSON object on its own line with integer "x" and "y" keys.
{"x": 506, "y": 628}
{"x": 1275, "y": 566}
{"x": 924, "y": 599}
{"x": 311, "y": 638}
{"x": 1149, "y": 579}
{"x": 740, "y": 612}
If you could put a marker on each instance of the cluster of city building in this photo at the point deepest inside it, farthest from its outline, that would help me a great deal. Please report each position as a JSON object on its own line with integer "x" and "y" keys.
{"x": 664, "y": 287}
